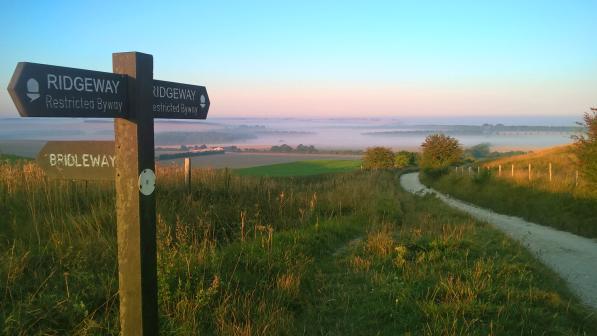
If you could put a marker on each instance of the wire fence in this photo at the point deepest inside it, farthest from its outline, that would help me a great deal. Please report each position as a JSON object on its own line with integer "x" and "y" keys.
{"x": 546, "y": 176}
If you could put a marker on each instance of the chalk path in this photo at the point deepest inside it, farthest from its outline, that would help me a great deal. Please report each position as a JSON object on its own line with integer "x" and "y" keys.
{"x": 573, "y": 257}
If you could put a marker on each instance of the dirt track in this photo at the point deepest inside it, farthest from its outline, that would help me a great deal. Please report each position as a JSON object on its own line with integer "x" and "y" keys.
{"x": 573, "y": 257}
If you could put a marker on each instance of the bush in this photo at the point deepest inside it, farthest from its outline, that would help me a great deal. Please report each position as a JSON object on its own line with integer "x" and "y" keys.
{"x": 405, "y": 158}
{"x": 483, "y": 177}
{"x": 586, "y": 148}
{"x": 378, "y": 158}
{"x": 439, "y": 153}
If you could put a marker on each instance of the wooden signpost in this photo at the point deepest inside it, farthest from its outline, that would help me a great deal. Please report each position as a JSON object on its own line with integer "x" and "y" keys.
{"x": 133, "y": 98}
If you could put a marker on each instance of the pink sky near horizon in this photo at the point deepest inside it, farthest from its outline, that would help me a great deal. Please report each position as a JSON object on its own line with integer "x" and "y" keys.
{"x": 348, "y": 100}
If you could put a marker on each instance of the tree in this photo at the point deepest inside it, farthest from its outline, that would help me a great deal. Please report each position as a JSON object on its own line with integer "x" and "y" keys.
{"x": 479, "y": 151}
{"x": 439, "y": 152}
{"x": 306, "y": 149}
{"x": 378, "y": 158}
{"x": 404, "y": 158}
{"x": 586, "y": 148}
{"x": 284, "y": 148}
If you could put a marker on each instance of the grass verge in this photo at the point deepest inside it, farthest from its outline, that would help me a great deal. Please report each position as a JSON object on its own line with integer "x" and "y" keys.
{"x": 561, "y": 210}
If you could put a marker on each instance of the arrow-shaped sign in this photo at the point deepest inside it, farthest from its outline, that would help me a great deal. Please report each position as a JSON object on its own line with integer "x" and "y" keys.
{"x": 179, "y": 101}
{"x": 40, "y": 90}
{"x": 78, "y": 160}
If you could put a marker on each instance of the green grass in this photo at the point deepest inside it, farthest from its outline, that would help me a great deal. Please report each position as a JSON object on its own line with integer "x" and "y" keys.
{"x": 434, "y": 272}
{"x": 10, "y": 158}
{"x": 244, "y": 255}
{"x": 302, "y": 168}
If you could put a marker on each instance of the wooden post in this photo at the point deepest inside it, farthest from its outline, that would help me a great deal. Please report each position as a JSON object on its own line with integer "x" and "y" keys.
{"x": 550, "y": 172}
{"x": 512, "y": 170}
{"x": 478, "y": 170}
{"x": 500, "y": 170}
{"x": 187, "y": 173}
{"x": 529, "y": 171}
{"x": 135, "y": 199}
{"x": 576, "y": 179}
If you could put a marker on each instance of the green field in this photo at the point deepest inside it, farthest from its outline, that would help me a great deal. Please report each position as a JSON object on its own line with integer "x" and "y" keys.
{"x": 302, "y": 168}
{"x": 9, "y": 158}
{"x": 330, "y": 254}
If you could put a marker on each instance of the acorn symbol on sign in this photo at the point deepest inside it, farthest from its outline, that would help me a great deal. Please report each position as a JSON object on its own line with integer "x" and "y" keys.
{"x": 202, "y": 101}
{"x": 32, "y": 89}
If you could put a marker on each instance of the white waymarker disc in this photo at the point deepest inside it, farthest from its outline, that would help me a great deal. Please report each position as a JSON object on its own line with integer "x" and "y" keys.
{"x": 147, "y": 182}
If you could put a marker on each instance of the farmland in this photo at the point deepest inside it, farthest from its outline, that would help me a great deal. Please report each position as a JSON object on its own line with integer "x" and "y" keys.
{"x": 257, "y": 255}
{"x": 247, "y": 160}
{"x": 303, "y": 168}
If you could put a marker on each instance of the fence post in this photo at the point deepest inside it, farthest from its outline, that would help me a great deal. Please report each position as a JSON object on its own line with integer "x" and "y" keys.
{"x": 550, "y": 172}
{"x": 470, "y": 170}
{"x": 576, "y": 180}
{"x": 187, "y": 173}
{"x": 512, "y": 170}
{"x": 500, "y": 170}
{"x": 478, "y": 170}
{"x": 529, "y": 171}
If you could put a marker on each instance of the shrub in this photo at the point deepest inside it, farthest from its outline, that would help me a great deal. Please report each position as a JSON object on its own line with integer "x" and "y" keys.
{"x": 404, "y": 158}
{"x": 439, "y": 152}
{"x": 378, "y": 158}
{"x": 483, "y": 177}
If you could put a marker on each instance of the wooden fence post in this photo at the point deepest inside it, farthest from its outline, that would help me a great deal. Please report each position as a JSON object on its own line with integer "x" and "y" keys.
{"x": 478, "y": 170}
{"x": 500, "y": 170}
{"x": 513, "y": 170}
{"x": 529, "y": 171}
{"x": 576, "y": 180}
{"x": 550, "y": 172}
{"x": 187, "y": 173}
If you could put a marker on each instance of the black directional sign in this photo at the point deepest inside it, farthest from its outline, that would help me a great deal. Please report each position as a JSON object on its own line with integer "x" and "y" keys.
{"x": 40, "y": 90}
{"x": 179, "y": 101}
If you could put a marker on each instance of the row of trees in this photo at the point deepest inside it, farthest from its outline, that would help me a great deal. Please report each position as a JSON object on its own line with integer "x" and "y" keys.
{"x": 384, "y": 158}
{"x": 439, "y": 152}
{"x": 284, "y": 148}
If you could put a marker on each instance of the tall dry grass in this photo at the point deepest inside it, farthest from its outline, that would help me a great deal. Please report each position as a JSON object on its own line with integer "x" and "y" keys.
{"x": 565, "y": 176}
{"x": 58, "y": 249}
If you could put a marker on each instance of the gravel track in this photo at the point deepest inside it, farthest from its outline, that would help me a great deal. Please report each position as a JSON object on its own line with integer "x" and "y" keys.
{"x": 573, "y": 257}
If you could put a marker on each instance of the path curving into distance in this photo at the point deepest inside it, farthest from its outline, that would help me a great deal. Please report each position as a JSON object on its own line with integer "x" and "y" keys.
{"x": 573, "y": 257}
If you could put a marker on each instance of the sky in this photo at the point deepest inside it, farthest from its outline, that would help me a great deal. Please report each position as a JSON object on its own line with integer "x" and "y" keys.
{"x": 329, "y": 58}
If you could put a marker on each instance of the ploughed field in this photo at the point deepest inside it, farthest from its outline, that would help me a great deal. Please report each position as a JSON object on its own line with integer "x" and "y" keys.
{"x": 342, "y": 253}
